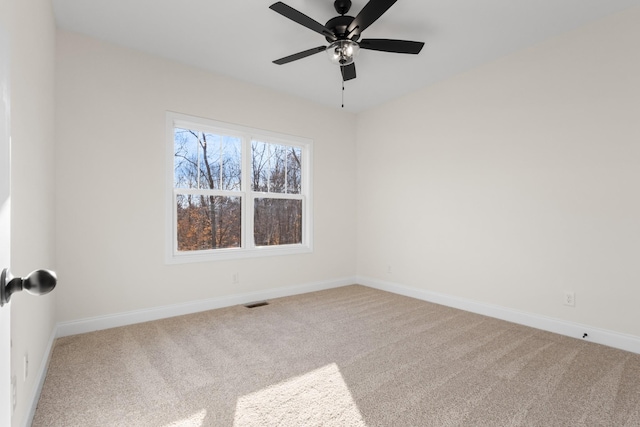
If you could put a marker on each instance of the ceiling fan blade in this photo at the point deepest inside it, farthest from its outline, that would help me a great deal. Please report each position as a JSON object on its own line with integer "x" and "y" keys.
{"x": 348, "y": 72}
{"x": 369, "y": 14}
{"x": 302, "y": 19}
{"x": 388, "y": 45}
{"x": 299, "y": 55}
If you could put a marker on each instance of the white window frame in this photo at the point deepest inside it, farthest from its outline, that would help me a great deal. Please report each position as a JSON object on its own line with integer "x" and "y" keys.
{"x": 248, "y": 249}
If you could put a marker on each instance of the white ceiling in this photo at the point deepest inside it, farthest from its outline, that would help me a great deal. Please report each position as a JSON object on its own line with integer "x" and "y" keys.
{"x": 240, "y": 38}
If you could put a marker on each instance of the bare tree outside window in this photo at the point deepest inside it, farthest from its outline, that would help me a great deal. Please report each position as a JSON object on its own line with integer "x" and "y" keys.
{"x": 209, "y": 192}
{"x": 277, "y": 222}
{"x": 204, "y": 161}
{"x": 276, "y": 169}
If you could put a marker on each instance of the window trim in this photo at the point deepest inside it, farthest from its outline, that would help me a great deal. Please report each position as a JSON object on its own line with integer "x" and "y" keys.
{"x": 248, "y": 248}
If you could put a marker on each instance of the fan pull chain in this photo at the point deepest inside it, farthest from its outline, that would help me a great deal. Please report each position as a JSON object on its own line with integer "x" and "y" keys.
{"x": 343, "y": 94}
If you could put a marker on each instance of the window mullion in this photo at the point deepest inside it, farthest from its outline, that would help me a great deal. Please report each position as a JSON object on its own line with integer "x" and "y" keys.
{"x": 278, "y": 196}
{"x": 270, "y": 169}
{"x": 247, "y": 212}
{"x": 220, "y": 183}
{"x": 199, "y": 160}
{"x": 174, "y": 209}
{"x": 207, "y": 192}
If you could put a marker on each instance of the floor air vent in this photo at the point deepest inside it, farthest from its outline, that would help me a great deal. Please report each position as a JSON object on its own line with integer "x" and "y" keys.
{"x": 256, "y": 304}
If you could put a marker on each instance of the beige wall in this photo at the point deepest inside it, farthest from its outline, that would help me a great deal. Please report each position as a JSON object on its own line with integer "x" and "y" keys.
{"x": 110, "y": 190}
{"x": 32, "y": 186}
{"x": 515, "y": 181}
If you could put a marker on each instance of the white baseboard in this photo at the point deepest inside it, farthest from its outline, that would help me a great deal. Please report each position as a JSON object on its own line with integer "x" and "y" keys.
{"x": 40, "y": 377}
{"x": 550, "y": 324}
{"x": 138, "y": 316}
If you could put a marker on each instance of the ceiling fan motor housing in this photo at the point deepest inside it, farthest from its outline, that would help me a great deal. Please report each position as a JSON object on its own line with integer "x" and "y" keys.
{"x": 339, "y": 25}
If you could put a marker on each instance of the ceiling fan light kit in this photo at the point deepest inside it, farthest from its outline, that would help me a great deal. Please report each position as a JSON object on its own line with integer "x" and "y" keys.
{"x": 343, "y": 32}
{"x": 342, "y": 52}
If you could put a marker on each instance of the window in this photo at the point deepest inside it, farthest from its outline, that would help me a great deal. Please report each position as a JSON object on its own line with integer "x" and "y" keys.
{"x": 234, "y": 191}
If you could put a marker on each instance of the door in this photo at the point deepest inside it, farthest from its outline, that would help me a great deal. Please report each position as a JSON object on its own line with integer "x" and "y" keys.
{"x": 6, "y": 406}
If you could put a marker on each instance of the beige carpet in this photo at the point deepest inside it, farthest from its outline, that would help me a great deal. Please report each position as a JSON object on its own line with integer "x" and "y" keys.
{"x": 351, "y": 356}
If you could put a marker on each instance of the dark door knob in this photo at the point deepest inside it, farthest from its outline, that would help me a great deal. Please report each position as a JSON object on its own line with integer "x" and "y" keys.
{"x": 38, "y": 282}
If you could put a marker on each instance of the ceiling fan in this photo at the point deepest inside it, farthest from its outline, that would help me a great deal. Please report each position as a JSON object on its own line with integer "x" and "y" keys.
{"x": 343, "y": 34}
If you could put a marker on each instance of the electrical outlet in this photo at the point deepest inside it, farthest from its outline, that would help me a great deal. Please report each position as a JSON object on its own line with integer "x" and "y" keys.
{"x": 14, "y": 392}
{"x": 235, "y": 278}
{"x": 570, "y": 299}
{"x": 388, "y": 269}
{"x": 26, "y": 365}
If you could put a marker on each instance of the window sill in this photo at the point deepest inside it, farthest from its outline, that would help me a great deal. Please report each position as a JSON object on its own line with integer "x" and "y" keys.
{"x": 235, "y": 253}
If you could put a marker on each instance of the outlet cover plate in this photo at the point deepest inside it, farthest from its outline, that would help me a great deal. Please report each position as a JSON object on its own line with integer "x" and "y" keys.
{"x": 570, "y": 299}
